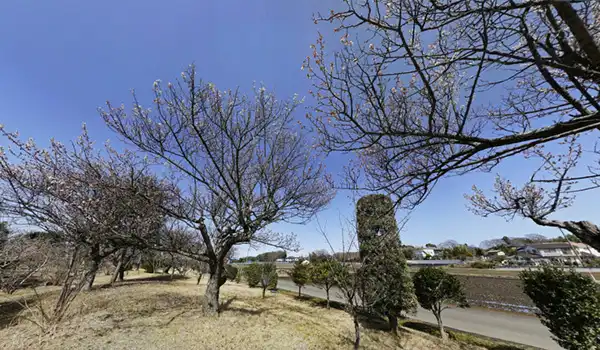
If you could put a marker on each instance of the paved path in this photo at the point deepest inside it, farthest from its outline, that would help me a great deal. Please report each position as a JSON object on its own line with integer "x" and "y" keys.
{"x": 496, "y": 324}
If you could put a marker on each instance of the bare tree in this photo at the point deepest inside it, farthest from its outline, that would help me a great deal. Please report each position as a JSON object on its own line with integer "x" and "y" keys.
{"x": 97, "y": 203}
{"x": 427, "y": 89}
{"x": 245, "y": 164}
{"x": 20, "y": 258}
{"x": 549, "y": 190}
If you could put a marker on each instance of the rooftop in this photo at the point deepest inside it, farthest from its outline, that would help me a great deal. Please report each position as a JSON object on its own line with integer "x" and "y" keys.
{"x": 556, "y": 245}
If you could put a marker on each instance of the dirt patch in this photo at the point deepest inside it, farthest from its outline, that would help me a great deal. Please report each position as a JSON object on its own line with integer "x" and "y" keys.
{"x": 495, "y": 292}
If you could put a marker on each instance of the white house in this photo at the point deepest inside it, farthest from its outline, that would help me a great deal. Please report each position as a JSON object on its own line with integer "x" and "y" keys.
{"x": 291, "y": 259}
{"x": 494, "y": 253}
{"x": 558, "y": 251}
{"x": 426, "y": 253}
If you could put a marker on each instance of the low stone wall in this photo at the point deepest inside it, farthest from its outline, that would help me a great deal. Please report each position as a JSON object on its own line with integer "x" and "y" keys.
{"x": 496, "y": 292}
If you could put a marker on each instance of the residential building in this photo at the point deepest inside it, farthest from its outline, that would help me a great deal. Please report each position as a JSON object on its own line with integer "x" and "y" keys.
{"x": 492, "y": 253}
{"x": 562, "y": 252}
{"x": 292, "y": 259}
{"x": 427, "y": 253}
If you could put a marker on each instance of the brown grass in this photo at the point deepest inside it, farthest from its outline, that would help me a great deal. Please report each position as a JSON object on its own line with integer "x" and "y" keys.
{"x": 147, "y": 314}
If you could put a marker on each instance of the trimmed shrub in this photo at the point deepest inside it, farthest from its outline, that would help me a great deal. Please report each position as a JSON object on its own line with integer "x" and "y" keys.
{"x": 323, "y": 274}
{"x": 483, "y": 265}
{"x": 273, "y": 281}
{"x": 252, "y": 274}
{"x": 268, "y": 277}
{"x": 435, "y": 288}
{"x": 231, "y": 272}
{"x": 568, "y": 303}
{"x": 300, "y": 275}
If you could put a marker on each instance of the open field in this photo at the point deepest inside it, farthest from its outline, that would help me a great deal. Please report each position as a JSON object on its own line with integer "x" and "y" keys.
{"x": 282, "y": 267}
{"x": 493, "y": 272}
{"x": 154, "y": 312}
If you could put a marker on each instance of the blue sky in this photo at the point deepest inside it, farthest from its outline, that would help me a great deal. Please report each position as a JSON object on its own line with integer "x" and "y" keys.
{"x": 60, "y": 60}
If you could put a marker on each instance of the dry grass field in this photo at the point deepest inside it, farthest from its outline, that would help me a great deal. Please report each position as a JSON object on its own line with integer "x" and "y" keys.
{"x": 153, "y": 312}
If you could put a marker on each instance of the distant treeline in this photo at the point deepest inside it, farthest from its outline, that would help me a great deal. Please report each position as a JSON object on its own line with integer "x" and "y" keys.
{"x": 268, "y": 256}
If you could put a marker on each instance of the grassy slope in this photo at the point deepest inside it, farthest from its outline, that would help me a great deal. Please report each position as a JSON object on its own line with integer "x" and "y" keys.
{"x": 167, "y": 315}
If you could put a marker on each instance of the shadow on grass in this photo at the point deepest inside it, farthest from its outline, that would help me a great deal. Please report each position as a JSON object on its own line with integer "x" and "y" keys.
{"x": 9, "y": 310}
{"x": 318, "y": 302}
{"x": 226, "y": 306}
{"x": 422, "y": 327}
{"x": 367, "y": 320}
{"x": 460, "y": 336}
{"x": 166, "y": 278}
{"x": 374, "y": 322}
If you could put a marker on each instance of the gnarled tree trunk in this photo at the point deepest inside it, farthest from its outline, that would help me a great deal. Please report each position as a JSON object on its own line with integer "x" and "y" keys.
{"x": 92, "y": 267}
{"x": 119, "y": 269}
{"x": 443, "y": 334}
{"x": 211, "y": 295}
{"x": 586, "y": 231}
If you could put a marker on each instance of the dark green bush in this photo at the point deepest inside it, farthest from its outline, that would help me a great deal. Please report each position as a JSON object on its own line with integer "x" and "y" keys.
{"x": 568, "y": 303}
{"x": 300, "y": 275}
{"x": 252, "y": 274}
{"x": 435, "y": 289}
{"x": 483, "y": 265}
{"x": 268, "y": 277}
{"x": 273, "y": 281}
{"x": 231, "y": 272}
{"x": 262, "y": 275}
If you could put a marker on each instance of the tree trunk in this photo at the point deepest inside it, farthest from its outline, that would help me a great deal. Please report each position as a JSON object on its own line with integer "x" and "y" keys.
{"x": 119, "y": 267}
{"x": 264, "y": 290}
{"x": 356, "y": 332}
{"x": 121, "y": 277}
{"x": 211, "y": 296}
{"x": 577, "y": 26}
{"x": 199, "y": 279}
{"x": 93, "y": 266}
{"x": 327, "y": 292}
{"x": 115, "y": 274}
{"x": 393, "y": 321}
{"x": 299, "y": 291}
{"x": 441, "y": 327}
{"x": 586, "y": 231}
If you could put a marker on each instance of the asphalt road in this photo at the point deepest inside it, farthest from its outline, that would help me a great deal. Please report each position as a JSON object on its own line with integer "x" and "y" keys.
{"x": 513, "y": 327}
